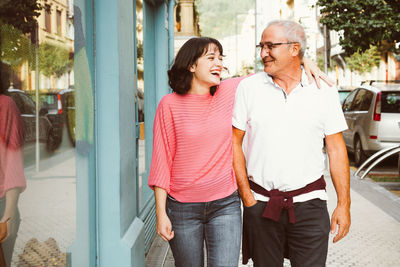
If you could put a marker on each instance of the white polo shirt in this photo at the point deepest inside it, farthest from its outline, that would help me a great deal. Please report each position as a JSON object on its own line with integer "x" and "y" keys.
{"x": 284, "y": 133}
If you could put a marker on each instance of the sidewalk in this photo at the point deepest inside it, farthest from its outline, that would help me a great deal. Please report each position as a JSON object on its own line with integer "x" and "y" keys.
{"x": 48, "y": 204}
{"x": 374, "y": 238}
{"x": 47, "y": 209}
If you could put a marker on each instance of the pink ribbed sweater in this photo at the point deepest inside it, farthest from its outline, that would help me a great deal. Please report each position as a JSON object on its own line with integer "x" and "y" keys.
{"x": 192, "y": 145}
{"x": 11, "y": 146}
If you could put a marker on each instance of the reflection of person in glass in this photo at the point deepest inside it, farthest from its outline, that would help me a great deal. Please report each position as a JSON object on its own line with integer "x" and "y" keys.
{"x": 12, "y": 178}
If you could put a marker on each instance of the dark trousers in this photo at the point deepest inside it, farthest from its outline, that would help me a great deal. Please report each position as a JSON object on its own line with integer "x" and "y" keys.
{"x": 305, "y": 242}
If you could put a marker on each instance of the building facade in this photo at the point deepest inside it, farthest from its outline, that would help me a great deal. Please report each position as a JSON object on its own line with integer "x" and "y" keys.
{"x": 388, "y": 69}
{"x": 55, "y": 28}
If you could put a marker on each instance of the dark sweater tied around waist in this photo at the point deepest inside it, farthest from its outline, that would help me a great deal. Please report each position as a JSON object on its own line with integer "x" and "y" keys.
{"x": 279, "y": 200}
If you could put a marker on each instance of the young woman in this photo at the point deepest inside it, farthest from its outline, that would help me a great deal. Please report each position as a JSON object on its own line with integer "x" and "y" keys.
{"x": 191, "y": 171}
{"x": 12, "y": 178}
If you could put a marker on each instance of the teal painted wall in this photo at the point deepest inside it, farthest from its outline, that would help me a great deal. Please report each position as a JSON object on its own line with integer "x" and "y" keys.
{"x": 83, "y": 251}
{"x": 127, "y": 111}
{"x": 150, "y": 77}
{"x": 112, "y": 230}
{"x": 158, "y": 37}
{"x": 156, "y": 55}
{"x": 120, "y": 232}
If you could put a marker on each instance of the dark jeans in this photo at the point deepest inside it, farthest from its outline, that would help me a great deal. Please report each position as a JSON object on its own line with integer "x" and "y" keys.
{"x": 305, "y": 242}
{"x": 217, "y": 223}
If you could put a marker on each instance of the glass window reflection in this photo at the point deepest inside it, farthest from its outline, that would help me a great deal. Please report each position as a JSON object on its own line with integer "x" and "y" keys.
{"x": 37, "y": 132}
{"x": 140, "y": 105}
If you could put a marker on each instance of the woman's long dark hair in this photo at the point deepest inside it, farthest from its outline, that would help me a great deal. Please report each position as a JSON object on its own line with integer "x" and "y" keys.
{"x": 180, "y": 77}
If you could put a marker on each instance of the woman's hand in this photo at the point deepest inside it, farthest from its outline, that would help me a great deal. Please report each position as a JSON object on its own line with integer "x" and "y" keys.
{"x": 314, "y": 73}
{"x": 164, "y": 227}
{"x": 10, "y": 211}
{"x": 10, "y": 227}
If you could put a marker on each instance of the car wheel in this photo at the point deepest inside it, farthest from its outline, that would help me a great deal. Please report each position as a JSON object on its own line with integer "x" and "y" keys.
{"x": 71, "y": 126}
{"x": 53, "y": 140}
{"x": 359, "y": 154}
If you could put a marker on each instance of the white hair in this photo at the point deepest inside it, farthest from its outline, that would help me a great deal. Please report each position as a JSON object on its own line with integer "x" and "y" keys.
{"x": 294, "y": 33}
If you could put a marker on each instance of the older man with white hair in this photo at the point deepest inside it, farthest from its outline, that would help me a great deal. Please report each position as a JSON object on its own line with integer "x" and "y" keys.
{"x": 280, "y": 171}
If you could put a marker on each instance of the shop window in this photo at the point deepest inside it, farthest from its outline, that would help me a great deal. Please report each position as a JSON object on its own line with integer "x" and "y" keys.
{"x": 40, "y": 149}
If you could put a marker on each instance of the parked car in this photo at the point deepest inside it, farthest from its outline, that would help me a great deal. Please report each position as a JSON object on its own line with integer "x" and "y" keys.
{"x": 344, "y": 91}
{"x": 372, "y": 113}
{"x": 68, "y": 104}
{"x": 52, "y": 102}
{"x": 61, "y": 112}
{"x": 398, "y": 164}
{"x": 27, "y": 108}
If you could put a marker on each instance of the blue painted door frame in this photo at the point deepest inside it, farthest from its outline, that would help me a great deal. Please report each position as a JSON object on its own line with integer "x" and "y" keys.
{"x": 111, "y": 227}
{"x": 83, "y": 251}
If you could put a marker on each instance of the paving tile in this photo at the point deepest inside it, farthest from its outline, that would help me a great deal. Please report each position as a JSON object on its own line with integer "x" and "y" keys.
{"x": 374, "y": 238}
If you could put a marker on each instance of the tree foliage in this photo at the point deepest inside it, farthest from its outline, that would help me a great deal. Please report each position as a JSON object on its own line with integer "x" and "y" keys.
{"x": 363, "y": 23}
{"x": 21, "y": 14}
{"x": 363, "y": 62}
{"x": 17, "y": 18}
{"x": 218, "y": 18}
{"x": 54, "y": 60}
{"x": 16, "y": 48}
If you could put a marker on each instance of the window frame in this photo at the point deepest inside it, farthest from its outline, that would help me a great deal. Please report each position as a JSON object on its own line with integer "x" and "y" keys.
{"x": 47, "y": 18}
{"x": 359, "y": 106}
{"x": 353, "y": 94}
{"x": 59, "y": 22}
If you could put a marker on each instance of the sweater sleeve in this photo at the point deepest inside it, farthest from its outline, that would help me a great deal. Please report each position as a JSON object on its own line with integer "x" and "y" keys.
{"x": 11, "y": 146}
{"x": 13, "y": 171}
{"x": 164, "y": 147}
{"x": 334, "y": 121}
{"x": 11, "y": 124}
{"x": 239, "y": 115}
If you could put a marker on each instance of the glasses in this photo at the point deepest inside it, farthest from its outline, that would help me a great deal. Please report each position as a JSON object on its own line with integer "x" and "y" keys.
{"x": 271, "y": 46}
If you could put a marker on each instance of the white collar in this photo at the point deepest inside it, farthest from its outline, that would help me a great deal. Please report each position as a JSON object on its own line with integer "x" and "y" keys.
{"x": 303, "y": 82}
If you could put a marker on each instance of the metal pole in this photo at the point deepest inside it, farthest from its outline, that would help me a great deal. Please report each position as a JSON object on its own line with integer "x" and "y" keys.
{"x": 37, "y": 148}
{"x": 255, "y": 36}
{"x": 325, "y": 49}
{"x": 236, "y": 44}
